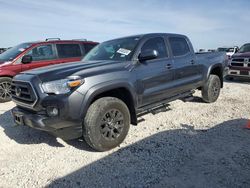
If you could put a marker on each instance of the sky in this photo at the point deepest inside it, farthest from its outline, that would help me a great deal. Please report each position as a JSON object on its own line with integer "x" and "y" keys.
{"x": 208, "y": 24}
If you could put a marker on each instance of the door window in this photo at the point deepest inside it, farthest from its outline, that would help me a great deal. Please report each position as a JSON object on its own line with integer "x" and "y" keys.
{"x": 157, "y": 44}
{"x": 43, "y": 52}
{"x": 68, "y": 50}
{"x": 179, "y": 46}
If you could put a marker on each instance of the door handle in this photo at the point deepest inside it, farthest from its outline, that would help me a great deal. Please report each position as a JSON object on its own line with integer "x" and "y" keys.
{"x": 192, "y": 62}
{"x": 169, "y": 66}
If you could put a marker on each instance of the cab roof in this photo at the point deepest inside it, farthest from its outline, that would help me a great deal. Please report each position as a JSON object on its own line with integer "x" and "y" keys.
{"x": 152, "y": 35}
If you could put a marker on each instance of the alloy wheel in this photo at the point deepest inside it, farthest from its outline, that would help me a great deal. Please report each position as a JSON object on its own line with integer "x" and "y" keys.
{"x": 5, "y": 92}
{"x": 112, "y": 124}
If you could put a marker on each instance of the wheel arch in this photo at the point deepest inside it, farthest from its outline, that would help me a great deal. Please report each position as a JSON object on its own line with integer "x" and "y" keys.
{"x": 6, "y": 76}
{"x": 216, "y": 69}
{"x": 122, "y": 91}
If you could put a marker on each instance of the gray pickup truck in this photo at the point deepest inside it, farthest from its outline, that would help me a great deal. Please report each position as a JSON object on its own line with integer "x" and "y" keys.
{"x": 99, "y": 97}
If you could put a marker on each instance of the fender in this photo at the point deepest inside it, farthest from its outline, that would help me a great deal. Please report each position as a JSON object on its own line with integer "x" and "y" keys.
{"x": 104, "y": 87}
{"x": 218, "y": 65}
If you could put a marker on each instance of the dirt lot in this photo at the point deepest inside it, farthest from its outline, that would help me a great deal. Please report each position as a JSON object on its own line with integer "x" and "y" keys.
{"x": 191, "y": 145}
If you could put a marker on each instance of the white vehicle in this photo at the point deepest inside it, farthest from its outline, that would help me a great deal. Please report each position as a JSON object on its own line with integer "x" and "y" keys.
{"x": 229, "y": 50}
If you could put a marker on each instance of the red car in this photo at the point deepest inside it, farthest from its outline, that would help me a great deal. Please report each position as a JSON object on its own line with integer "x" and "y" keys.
{"x": 32, "y": 55}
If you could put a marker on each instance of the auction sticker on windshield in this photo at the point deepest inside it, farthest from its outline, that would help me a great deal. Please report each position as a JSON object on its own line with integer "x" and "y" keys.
{"x": 123, "y": 51}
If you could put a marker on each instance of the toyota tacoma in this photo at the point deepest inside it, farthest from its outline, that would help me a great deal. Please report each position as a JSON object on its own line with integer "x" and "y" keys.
{"x": 99, "y": 97}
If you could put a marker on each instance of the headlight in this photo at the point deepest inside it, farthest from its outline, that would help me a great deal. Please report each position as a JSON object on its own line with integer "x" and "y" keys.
{"x": 61, "y": 86}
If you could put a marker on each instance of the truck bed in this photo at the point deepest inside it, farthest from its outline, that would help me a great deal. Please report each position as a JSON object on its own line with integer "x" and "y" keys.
{"x": 211, "y": 57}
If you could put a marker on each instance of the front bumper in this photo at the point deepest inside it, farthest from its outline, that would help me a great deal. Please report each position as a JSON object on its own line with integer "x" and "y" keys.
{"x": 238, "y": 72}
{"x": 33, "y": 108}
{"x": 59, "y": 127}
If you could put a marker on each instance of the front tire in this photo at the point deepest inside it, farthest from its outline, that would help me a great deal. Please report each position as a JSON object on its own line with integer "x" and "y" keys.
{"x": 5, "y": 85}
{"x": 211, "y": 90}
{"x": 106, "y": 123}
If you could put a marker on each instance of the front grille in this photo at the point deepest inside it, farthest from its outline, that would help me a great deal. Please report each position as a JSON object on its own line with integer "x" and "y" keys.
{"x": 238, "y": 60}
{"x": 237, "y": 64}
{"x": 23, "y": 92}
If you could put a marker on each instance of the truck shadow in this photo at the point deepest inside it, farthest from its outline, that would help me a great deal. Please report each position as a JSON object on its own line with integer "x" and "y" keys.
{"x": 217, "y": 157}
{"x": 239, "y": 80}
{"x": 197, "y": 100}
{"x": 27, "y": 135}
{"x": 23, "y": 134}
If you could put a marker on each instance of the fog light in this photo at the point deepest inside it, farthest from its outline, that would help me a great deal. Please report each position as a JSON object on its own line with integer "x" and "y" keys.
{"x": 52, "y": 111}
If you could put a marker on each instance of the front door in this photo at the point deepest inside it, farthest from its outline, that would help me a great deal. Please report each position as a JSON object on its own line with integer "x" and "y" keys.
{"x": 154, "y": 76}
{"x": 42, "y": 55}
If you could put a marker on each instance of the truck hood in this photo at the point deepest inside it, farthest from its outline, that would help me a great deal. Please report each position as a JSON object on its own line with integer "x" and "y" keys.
{"x": 80, "y": 68}
{"x": 242, "y": 55}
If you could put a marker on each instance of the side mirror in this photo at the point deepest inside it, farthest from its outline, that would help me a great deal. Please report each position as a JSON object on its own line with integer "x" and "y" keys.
{"x": 148, "y": 55}
{"x": 27, "y": 59}
{"x": 236, "y": 49}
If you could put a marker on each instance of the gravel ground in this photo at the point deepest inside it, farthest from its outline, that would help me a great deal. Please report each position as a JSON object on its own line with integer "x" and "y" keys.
{"x": 193, "y": 144}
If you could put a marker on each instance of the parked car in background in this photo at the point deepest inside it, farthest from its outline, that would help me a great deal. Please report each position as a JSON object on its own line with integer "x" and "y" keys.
{"x": 229, "y": 50}
{"x": 202, "y": 50}
{"x": 32, "y": 55}
{"x": 211, "y": 50}
{"x": 116, "y": 81}
{"x": 2, "y": 50}
{"x": 239, "y": 65}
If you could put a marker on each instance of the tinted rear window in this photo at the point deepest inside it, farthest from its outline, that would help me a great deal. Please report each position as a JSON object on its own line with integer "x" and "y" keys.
{"x": 68, "y": 50}
{"x": 179, "y": 46}
{"x": 89, "y": 47}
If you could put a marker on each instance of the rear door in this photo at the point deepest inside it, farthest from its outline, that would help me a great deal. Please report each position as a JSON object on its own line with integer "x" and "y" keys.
{"x": 42, "y": 55}
{"x": 69, "y": 52}
{"x": 154, "y": 76}
{"x": 184, "y": 63}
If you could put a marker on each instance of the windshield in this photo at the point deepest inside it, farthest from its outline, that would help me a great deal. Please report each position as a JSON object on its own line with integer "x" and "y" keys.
{"x": 245, "y": 48}
{"x": 116, "y": 50}
{"x": 12, "y": 53}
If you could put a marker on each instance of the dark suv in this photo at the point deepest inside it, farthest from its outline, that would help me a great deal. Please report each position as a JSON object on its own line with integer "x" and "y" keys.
{"x": 32, "y": 55}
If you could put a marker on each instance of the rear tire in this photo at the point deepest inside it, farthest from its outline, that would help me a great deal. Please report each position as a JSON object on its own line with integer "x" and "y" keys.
{"x": 5, "y": 85}
{"x": 211, "y": 90}
{"x": 106, "y": 123}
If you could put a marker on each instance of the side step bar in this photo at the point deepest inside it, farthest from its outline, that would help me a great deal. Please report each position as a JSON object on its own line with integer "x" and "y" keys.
{"x": 163, "y": 106}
